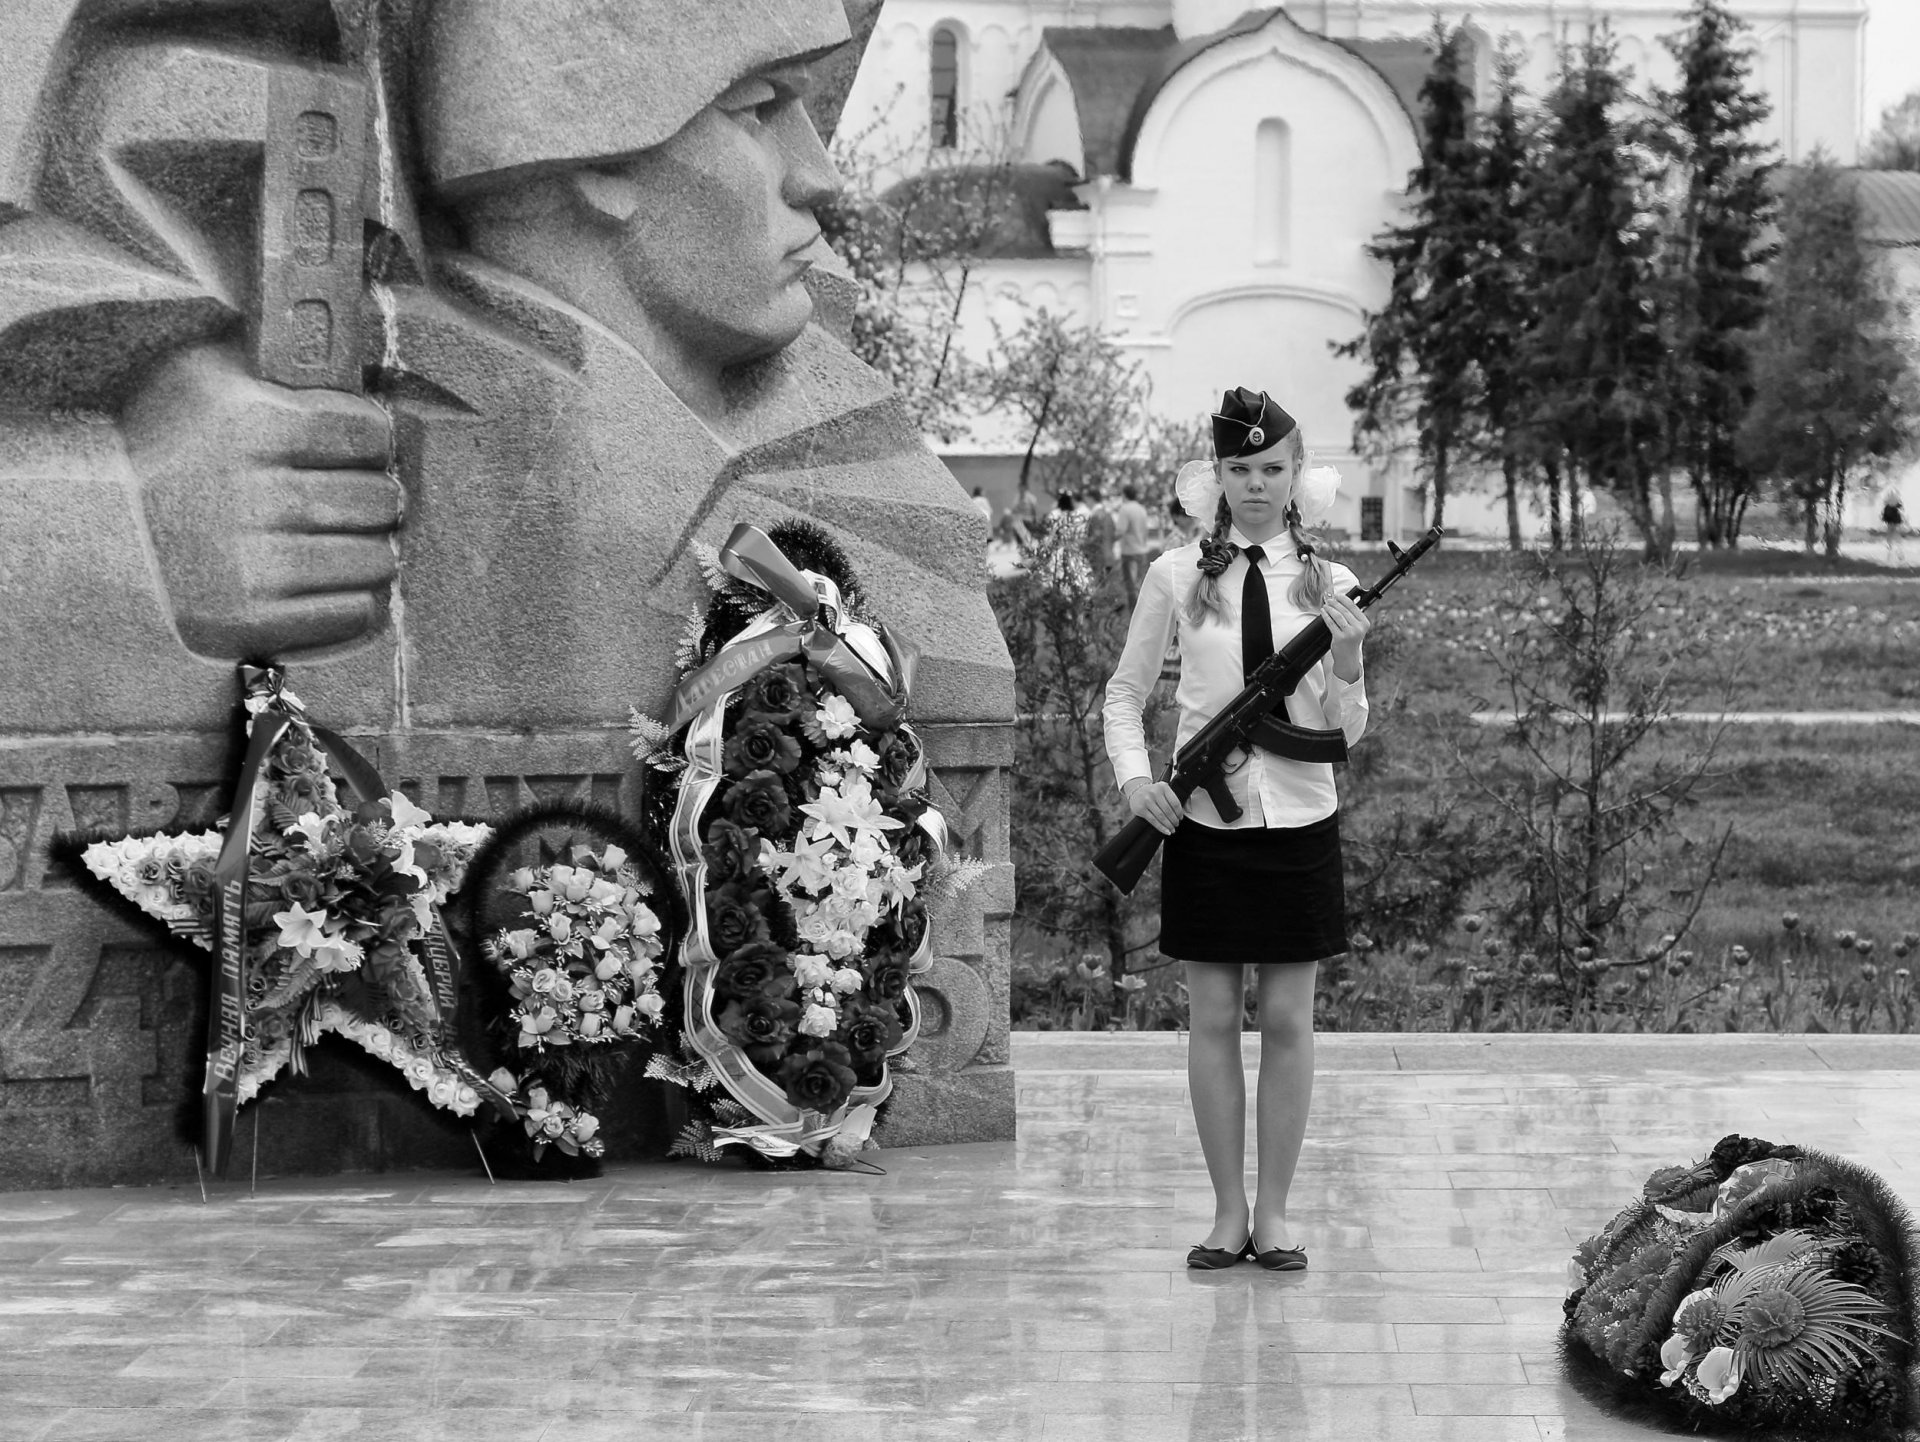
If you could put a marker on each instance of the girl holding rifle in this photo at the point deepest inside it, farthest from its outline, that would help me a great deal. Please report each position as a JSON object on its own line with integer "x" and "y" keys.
{"x": 1265, "y": 889}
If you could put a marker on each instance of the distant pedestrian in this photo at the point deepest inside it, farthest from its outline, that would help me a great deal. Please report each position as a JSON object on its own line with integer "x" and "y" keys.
{"x": 1103, "y": 538}
{"x": 1180, "y": 526}
{"x": 1025, "y": 515}
{"x": 1893, "y": 516}
{"x": 984, "y": 506}
{"x": 1136, "y": 545}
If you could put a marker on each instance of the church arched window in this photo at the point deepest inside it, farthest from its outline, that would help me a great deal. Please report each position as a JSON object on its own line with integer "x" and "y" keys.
{"x": 1272, "y": 193}
{"x": 943, "y": 76}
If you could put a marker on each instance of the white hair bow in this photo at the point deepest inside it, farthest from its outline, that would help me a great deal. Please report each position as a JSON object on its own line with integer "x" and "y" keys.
{"x": 1199, "y": 491}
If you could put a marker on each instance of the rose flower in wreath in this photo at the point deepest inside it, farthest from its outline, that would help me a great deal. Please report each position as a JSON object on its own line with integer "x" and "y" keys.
{"x": 818, "y": 1079}
{"x": 758, "y": 800}
{"x": 730, "y": 850}
{"x": 759, "y": 744}
{"x": 779, "y": 694}
{"x": 757, "y": 968}
{"x": 735, "y": 915}
{"x": 870, "y": 1033}
{"x": 888, "y": 976}
{"x": 896, "y": 754}
{"x": 759, "y": 1024}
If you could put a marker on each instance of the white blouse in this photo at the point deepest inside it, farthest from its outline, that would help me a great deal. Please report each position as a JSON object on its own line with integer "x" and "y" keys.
{"x": 1271, "y": 790}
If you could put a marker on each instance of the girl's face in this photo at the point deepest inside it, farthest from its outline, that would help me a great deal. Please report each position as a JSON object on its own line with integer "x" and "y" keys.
{"x": 1259, "y": 486}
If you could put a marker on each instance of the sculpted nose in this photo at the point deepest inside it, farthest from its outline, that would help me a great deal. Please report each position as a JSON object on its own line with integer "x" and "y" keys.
{"x": 811, "y": 178}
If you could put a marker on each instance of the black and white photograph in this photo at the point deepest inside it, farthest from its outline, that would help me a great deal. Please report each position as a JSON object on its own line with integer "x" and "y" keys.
{"x": 959, "y": 720}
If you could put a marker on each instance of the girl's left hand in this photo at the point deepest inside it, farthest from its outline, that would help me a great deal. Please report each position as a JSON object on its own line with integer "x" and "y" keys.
{"x": 1349, "y": 625}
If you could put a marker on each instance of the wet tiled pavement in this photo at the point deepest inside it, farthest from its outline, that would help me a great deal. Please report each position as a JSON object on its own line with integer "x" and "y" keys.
{"x": 1031, "y": 1289}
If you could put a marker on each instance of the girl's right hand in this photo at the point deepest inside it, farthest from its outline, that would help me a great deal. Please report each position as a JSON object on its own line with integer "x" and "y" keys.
{"x": 1157, "y": 802}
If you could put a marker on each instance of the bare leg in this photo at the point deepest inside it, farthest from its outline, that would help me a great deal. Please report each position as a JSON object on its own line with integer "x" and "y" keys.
{"x": 1218, "y": 1088}
{"x": 1286, "y": 1089}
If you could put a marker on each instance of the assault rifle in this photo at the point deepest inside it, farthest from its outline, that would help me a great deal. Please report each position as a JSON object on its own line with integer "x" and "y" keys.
{"x": 1253, "y": 718}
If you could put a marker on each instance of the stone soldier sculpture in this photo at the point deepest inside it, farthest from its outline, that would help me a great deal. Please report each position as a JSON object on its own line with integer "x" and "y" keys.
{"x": 587, "y": 340}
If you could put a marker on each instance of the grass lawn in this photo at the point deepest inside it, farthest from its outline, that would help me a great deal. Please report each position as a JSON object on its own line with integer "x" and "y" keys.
{"x": 1791, "y": 632}
{"x": 1824, "y": 821}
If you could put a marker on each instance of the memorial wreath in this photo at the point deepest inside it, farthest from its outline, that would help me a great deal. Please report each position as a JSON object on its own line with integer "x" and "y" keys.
{"x": 322, "y": 914}
{"x": 1767, "y": 1290}
{"x": 808, "y": 850}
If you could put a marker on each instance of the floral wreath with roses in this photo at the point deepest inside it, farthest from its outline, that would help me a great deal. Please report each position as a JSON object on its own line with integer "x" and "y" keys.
{"x": 809, "y": 851}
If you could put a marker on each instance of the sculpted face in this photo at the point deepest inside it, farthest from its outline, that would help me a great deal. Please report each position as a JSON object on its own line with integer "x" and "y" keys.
{"x": 714, "y": 251}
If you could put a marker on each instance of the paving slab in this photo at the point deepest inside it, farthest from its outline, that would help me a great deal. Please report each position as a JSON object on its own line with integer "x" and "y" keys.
{"x": 1031, "y": 1289}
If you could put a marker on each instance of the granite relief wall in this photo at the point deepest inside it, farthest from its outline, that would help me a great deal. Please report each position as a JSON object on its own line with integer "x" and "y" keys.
{"x": 415, "y": 343}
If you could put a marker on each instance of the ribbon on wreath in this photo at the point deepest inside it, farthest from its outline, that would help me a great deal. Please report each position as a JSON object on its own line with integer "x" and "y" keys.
{"x": 227, "y": 1017}
{"x": 866, "y": 665}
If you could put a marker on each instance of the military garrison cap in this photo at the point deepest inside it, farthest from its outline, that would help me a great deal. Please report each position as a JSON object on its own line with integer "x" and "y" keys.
{"x": 1248, "y": 421}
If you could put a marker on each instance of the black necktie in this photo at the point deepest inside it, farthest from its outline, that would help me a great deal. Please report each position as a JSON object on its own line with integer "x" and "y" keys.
{"x": 1256, "y": 617}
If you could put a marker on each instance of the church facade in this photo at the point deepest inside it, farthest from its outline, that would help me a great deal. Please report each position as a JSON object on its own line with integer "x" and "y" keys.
{"x": 1221, "y": 169}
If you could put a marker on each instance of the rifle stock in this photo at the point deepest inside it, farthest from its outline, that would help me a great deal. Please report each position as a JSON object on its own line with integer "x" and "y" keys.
{"x": 1124, "y": 860}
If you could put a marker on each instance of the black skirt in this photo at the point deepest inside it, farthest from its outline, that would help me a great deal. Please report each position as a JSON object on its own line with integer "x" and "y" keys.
{"x": 1253, "y": 894}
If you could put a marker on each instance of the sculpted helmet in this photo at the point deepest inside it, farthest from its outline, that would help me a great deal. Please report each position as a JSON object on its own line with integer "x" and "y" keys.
{"x": 511, "y": 87}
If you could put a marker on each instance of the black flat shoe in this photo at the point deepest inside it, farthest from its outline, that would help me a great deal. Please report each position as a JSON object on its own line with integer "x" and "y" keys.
{"x": 1279, "y": 1259}
{"x": 1211, "y": 1259}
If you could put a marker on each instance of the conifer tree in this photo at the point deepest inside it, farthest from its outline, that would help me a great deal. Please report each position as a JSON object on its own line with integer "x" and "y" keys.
{"x": 1417, "y": 348}
{"x": 1502, "y": 282}
{"x": 1835, "y": 384}
{"x": 1720, "y": 204}
{"x": 1596, "y": 354}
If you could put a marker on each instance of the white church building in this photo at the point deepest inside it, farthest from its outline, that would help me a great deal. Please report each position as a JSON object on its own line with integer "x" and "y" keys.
{"x": 1221, "y": 170}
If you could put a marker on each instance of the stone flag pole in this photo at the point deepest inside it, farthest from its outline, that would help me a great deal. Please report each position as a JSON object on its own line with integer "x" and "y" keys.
{"x": 415, "y": 344}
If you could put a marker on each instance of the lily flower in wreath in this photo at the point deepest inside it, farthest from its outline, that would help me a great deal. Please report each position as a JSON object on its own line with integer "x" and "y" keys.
{"x": 300, "y": 929}
{"x": 337, "y": 953}
{"x": 1720, "y": 1374}
{"x": 1675, "y": 1353}
{"x": 847, "y": 810}
{"x": 311, "y": 827}
{"x": 402, "y": 860}
{"x": 901, "y": 885}
{"x": 406, "y": 814}
{"x": 811, "y": 864}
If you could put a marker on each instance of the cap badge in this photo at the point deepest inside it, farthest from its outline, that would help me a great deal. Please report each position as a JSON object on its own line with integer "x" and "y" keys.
{"x": 1256, "y": 437}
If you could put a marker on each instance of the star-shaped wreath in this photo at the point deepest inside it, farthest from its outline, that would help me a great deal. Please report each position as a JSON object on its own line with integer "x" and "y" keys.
{"x": 323, "y": 915}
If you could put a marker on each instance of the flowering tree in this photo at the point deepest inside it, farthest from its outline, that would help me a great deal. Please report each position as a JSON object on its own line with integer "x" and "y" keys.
{"x": 912, "y": 247}
{"x": 1065, "y": 634}
{"x": 1081, "y": 404}
{"x": 1896, "y": 144}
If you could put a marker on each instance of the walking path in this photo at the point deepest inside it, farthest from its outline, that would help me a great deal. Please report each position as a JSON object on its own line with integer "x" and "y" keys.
{"x": 1018, "y": 1290}
{"x": 1740, "y": 718}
